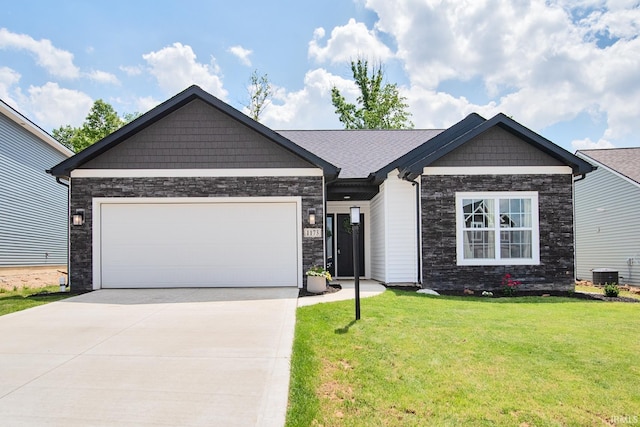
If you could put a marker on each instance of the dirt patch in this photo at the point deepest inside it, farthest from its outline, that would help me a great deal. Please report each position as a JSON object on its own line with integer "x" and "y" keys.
{"x": 31, "y": 277}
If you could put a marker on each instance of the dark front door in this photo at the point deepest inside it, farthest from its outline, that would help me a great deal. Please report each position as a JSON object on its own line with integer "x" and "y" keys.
{"x": 344, "y": 254}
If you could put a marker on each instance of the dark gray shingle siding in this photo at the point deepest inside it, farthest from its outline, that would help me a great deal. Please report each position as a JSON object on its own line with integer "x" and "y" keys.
{"x": 197, "y": 136}
{"x": 497, "y": 147}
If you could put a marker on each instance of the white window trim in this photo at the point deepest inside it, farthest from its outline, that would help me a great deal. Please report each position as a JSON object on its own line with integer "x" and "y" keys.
{"x": 535, "y": 228}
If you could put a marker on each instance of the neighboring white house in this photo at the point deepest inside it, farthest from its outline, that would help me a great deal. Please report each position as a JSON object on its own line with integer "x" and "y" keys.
{"x": 33, "y": 207}
{"x": 607, "y": 204}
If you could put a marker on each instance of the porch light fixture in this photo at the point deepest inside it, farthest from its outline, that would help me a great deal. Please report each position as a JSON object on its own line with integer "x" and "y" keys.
{"x": 355, "y": 215}
{"x": 312, "y": 216}
{"x": 78, "y": 217}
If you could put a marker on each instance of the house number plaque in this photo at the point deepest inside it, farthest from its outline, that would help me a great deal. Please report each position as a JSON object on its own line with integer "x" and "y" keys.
{"x": 313, "y": 232}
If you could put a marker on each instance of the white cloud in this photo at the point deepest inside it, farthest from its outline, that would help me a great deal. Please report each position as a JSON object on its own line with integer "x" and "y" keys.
{"x": 146, "y": 103}
{"x": 587, "y": 144}
{"x": 308, "y": 108}
{"x": 132, "y": 70}
{"x": 56, "y": 61}
{"x": 103, "y": 77}
{"x": 348, "y": 42}
{"x": 175, "y": 68}
{"x": 439, "y": 110}
{"x": 8, "y": 79}
{"x": 53, "y": 106}
{"x": 242, "y": 54}
{"x": 539, "y": 61}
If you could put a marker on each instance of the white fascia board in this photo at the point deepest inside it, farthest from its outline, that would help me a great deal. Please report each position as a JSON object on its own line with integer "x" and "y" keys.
{"x": 34, "y": 129}
{"x": 170, "y": 173}
{"x": 498, "y": 170}
{"x": 607, "y": 168}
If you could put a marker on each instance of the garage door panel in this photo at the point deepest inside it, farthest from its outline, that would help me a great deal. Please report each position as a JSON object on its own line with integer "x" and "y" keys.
{"x": 199, "y": 244}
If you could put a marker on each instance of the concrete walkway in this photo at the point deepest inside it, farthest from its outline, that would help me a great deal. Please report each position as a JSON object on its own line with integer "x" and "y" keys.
{"x": 368, "y": 288}
{"x": 170, "y": 357}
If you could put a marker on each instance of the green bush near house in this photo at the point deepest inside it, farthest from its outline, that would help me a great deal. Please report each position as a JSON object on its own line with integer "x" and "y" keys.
{"x": 611, "y": 290}
{"x": 415, "y": 360}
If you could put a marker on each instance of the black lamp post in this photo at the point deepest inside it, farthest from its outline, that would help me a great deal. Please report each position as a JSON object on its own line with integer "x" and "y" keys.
{"x": 355, "y": 231}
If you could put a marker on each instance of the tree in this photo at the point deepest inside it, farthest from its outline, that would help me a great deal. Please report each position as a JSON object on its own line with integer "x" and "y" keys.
{"x": 101, "y": 121}
{"x": 259, "y": 94}
{"x": 379, "y": 106}
{"x": 64, "y": 135}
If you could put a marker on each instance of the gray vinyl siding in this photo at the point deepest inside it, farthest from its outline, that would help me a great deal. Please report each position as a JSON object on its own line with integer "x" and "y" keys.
{"x": 607, "y": 226}
{"x": 33, "y": 206}
{"x": 497, "y": 147}
{"x": 197, "y": 136}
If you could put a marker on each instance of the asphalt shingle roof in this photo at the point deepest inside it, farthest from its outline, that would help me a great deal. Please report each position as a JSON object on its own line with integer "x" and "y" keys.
{"x": 359, "y": 153}
{"x": 625, "y": 161}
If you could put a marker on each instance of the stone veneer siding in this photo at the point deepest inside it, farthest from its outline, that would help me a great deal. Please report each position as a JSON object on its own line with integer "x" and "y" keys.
{"x": 555, "y": 272}
{"x": 83, "y": 190}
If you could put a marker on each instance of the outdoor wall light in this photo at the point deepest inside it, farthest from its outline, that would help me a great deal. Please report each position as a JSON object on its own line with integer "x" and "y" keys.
{"x": 312, "y": 216}
{"x": 78, "y": 217}
{"x": 355, "y": 215}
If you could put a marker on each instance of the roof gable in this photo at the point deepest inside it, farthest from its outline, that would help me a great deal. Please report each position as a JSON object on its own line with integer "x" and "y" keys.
{"x": 424, "y": 151}
{"x": 503, "y": 149}
{"x": 473, "y": 126}
{"x": 146, "y": 121}
{"x": 197, "y": 136}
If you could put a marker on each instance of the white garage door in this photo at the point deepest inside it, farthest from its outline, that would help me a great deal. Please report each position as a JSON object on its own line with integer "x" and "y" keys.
{"x": 158, "y": 245}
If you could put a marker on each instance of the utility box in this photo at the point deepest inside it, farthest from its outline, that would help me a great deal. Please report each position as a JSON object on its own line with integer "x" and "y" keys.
{"x": 605, "y": 275}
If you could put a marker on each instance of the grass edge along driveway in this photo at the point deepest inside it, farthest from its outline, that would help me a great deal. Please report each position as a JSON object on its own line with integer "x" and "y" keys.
{"x": 421, "y": 360}
{"x": 21, "y": 299}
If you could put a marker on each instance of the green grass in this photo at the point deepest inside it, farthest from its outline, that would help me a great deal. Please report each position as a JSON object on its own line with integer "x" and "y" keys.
{"x": 415, "y": 360}
{"x": 21, "y": 299}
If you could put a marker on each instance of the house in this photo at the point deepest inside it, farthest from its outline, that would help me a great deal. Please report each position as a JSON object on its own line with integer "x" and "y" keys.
{"x": 33, "y": 207}
{"x": 195, "y": 193}
{"x": 607, "y": 204}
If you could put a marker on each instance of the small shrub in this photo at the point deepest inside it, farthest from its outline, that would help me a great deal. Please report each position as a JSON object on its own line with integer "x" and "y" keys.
{"x": 611, "y": 289}
{"x": 509, "y": 285}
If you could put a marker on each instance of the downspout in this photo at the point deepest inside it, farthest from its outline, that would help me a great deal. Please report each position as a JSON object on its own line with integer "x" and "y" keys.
{"x": 62, "y": 183}
{"x": 68, "y": 230}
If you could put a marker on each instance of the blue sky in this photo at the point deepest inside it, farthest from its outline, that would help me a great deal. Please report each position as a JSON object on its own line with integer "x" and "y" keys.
{"x": 567, "y": 69}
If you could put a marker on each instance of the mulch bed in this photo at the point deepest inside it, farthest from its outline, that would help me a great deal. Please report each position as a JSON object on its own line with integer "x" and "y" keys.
{"x": 331, "y": 289}
{"x": 565, "y": 294}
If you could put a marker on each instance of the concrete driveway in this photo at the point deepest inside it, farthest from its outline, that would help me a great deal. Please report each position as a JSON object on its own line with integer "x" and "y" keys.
{"x": 171, "y": 357}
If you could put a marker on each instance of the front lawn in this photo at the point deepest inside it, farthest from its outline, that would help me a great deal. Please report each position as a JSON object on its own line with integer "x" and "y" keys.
{"x": 24, "y": 298}
{"x": 420, "y": 360}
